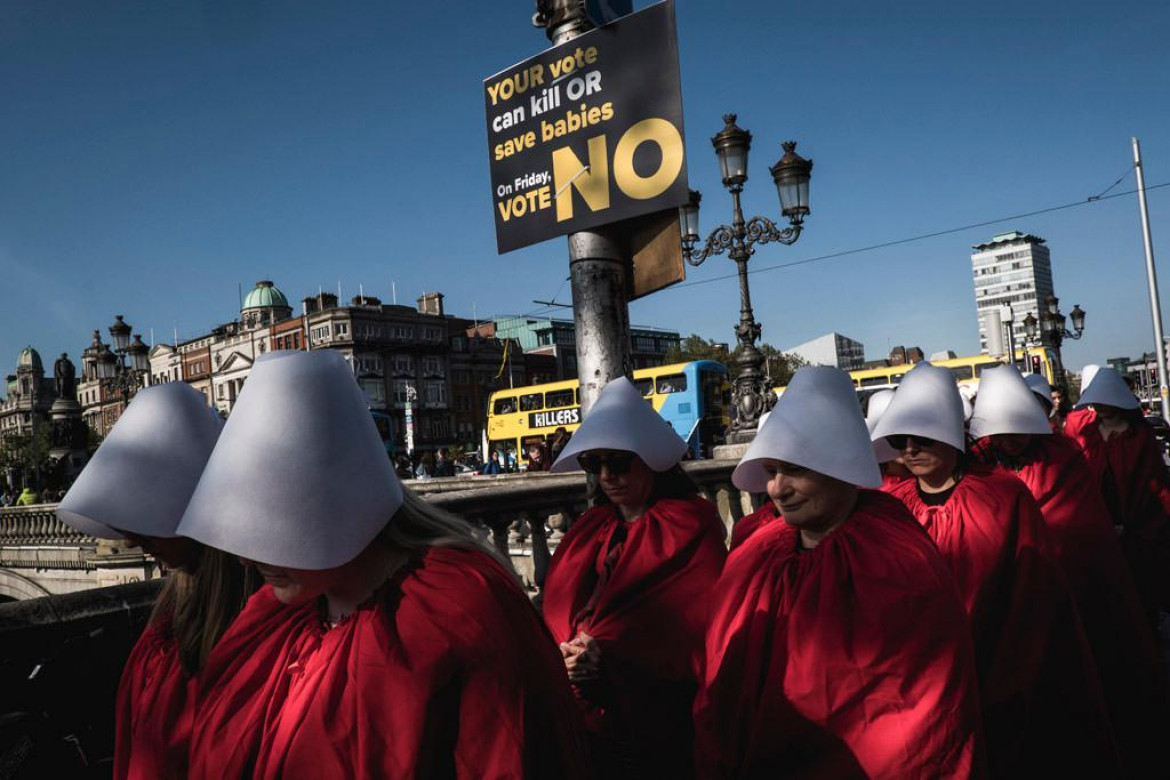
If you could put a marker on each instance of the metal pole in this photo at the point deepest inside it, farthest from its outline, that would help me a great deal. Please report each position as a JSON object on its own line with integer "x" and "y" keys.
{"x": 597, "y": 270}
{"x": 1152, "y": 278}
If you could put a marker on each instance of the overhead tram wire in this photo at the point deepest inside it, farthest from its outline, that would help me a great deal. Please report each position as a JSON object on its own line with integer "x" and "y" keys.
{"x": 898, "y": 242}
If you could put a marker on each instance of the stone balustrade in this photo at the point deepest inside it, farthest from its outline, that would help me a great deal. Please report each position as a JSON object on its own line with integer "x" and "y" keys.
{"x": 38, "y": 524}
{"x": 523, "y": 515}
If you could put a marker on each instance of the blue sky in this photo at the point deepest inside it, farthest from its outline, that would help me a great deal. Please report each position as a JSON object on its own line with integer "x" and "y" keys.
{"x": 159, "y": 154}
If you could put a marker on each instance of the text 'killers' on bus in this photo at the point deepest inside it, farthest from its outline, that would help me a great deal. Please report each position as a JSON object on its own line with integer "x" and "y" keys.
{"x": 554, "y": 418}
{"x": 589, "y": 132}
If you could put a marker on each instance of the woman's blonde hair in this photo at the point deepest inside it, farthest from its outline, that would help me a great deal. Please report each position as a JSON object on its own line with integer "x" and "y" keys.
{"x": 197, "y": 608}
{"x": 418, "y": 524}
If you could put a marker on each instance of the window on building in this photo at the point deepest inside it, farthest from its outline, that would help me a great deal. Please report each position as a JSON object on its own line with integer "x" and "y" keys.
{"x": 432, "y": 334}
{"x": 403, "y": 364}
{"x": 401, "y": 392}
{"x": 432, "y": 366}
{"x": 404, "y": 332}
{"x": 375, "y": 390}
{"x": 436, "y": 393}
{"x": 644, "y": 344}
{"x": 458, "y": 344}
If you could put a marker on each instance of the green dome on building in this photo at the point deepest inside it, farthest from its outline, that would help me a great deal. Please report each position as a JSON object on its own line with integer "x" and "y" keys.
{"x": 30, "y": 358}
{"x": 265, "y": 296}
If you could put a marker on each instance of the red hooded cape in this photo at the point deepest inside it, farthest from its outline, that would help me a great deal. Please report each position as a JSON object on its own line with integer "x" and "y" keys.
{"x": 1042, "y": 706}
{"x": 852, "y": 659}
{"x": 446, "y": 672}
{"x": 748, "y": 525}
{"x": 153, "y": 716}
{"x": 1134, "y": 482}
{"x": 649, "y": 621}
{"x": 1080, "y": 531}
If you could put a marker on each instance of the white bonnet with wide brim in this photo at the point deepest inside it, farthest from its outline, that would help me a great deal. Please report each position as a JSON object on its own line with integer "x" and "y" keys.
{"x": 1108, "y": 389}
{"x": 300, "y": 477}
{"x": 621, "y": 419}
{"x": 143, "y": 474}
{"x": 927, "y": 404}
{"x": 1006, "y": 404}
{"x": 1087, "y": 374}
{"x": 816, "y": 424}
{"x": 1039, "y": 385}
{"x": 878, "y": 403}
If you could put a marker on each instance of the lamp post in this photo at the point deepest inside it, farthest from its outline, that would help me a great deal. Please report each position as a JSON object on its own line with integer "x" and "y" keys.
{"x": 122, "y": 369}
{"x": 1049, "y": 330}
{"x": 751, "y": 396}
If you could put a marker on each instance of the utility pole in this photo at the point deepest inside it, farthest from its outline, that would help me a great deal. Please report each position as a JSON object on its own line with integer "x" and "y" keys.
{"x": 598, "y": 266}
{"x": 1152, "y": 279}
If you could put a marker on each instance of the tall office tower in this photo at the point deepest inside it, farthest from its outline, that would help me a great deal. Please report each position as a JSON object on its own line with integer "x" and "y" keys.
{"x": 1011, "y": 269}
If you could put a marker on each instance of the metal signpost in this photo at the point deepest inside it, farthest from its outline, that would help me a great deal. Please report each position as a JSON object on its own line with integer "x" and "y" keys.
{"x": 1152, "y": 280}
{"x": 583, "y": 138}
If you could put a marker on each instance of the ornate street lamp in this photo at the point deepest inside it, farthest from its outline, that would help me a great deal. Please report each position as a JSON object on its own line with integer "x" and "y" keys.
{"x": 1050, "y": 331}
{"x": 752, "y": 396}
{"x": 120, "y": 370}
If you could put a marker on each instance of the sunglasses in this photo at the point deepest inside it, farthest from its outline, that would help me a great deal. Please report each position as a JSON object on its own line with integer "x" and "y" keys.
{"x": 617, "y": 463}
{"x": 900, "y": 441}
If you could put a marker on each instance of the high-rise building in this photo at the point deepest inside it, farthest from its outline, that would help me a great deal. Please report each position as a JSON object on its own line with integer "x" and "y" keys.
{"x": 831, "y": 349}
{"x": 1012, "y": 269}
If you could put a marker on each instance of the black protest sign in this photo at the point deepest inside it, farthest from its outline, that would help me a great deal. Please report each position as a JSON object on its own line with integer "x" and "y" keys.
{"x": 589, "y": 132}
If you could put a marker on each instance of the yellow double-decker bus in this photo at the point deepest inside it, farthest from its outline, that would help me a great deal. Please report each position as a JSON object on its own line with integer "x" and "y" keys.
{"x": 695, "y": 398}
{"x": 967, "y": 370}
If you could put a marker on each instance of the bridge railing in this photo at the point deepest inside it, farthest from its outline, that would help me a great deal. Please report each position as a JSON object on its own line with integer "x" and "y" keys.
{"x": 38, "y": 524}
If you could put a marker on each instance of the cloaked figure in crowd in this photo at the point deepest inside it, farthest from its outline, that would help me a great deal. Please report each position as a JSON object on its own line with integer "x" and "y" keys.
{"x": 1014, "y": 434}
{"x": 387, "y": 641}
{"x": 889, "y": 459}
{"x": 627, "y": 590}
{"x": 838, "y": 645}
{"x": 1047, "y": 398}
{"x": 136, "y": 488}
{"x": 1125, "y": 458}
{"x": 1042, "y": 706}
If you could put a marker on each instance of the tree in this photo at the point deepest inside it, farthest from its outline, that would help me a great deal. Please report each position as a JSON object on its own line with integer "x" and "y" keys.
{"x": 781, "y": 365}
{"x": 695, "y": 347}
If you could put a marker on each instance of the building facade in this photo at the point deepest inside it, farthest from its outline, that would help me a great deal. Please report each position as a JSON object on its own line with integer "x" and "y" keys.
{"x": 558, "y": 338}
{"x": 1012, "y": 269}
{"x": 29, "y": 395}
{"x": 831, "y": 349}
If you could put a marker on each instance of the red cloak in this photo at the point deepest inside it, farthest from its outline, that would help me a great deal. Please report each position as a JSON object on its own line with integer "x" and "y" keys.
{"x": 852, "y": 659}
{"x": 1080, "y": 531}
{"x": 446, "y": 672}
{"x": 649, "y": 621}
{"x": 153, "y": 716}
{"x": 1136, "y": 487}
{"x": 1042, "y": 705}
{"x": 748, "y": 525}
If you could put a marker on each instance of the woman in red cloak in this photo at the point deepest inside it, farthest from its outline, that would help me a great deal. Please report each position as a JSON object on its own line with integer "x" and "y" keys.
{"x": 136, "y": 488}
{"x": 398, "y": 648}
{"x": 626, "y": 592}
{"x": 1042, "y": 705}
{"x": 838, "y": 645}
{"x": 1125, "y": 458}
{"x": 1014, "y": 434}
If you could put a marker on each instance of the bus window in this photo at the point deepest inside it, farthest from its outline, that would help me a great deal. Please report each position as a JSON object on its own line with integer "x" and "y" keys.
{"x": 981, "y": 367}
{"x": 504, "y": 406}
{"x": 675, "y": 383}
{"x": 577, "y": 396}
{"x": 875, "y": 381}
{"x": 531, "y": 402}
{"x": 961, "y": 373}
{"x": 645, "y": 386}
{"x": 896, "y": 379}
{"x": 558, "y": 398}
